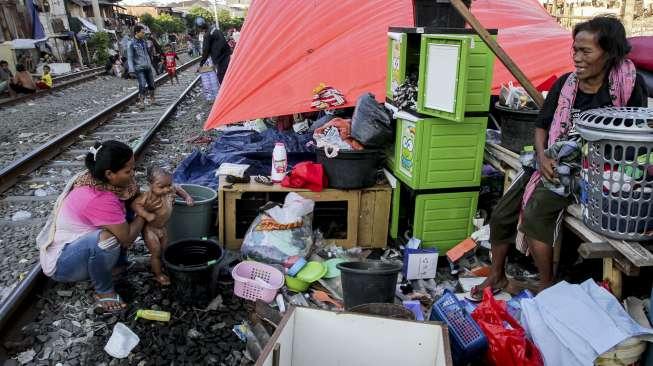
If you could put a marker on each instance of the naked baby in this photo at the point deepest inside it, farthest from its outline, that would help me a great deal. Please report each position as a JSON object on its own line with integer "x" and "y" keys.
{"x": 161, "y": 195}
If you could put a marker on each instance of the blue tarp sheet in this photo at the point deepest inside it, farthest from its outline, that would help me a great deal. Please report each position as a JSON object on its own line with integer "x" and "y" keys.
{"x": 242, "y": 147}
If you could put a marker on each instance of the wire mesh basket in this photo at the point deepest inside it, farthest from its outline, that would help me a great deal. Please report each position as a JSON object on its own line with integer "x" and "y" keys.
{"x": 618, "y": 179}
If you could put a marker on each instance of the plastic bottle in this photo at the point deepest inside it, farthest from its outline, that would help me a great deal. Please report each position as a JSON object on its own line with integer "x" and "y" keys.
{"x": 162, "y": 316}
{"x": 279, "y": 162}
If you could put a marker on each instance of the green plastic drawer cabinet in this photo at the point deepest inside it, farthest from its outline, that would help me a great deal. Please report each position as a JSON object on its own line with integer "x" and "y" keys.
{"x": 454, "y": 70}
{"x": 434, "y": 153}
{"x": 442, "y": 220}
{"x": 439, "y": 220}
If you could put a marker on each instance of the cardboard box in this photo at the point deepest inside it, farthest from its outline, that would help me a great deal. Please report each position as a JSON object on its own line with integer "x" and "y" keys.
{"x": 420, "y": 263}
{"x": 322, "y": 338}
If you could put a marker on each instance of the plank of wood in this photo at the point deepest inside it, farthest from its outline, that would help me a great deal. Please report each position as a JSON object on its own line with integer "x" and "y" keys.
{"x": 499, "y": 52}
{"x": 590, "y": 250}
{"x": 614, "y": 277}
{"x": 633, "y": 251}
{"x": 503, "y": 155}
{"x": 605, "y": 250}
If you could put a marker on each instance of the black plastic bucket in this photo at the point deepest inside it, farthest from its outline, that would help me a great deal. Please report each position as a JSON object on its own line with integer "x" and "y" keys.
{"x": 517, "y": 127}
{"x": 351, "y": 169}
{"x": 438, "y": 13}
{"x": 193, "y": 267}
{"x": 368, "y": 282}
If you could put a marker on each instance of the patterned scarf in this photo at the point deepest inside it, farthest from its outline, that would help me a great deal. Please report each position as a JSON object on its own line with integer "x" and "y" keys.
{"x": 621, "y": 81}
{"x": 124, "y": 193}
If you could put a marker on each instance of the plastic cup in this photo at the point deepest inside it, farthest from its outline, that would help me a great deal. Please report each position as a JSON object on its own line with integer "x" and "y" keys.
{"x": 121, "y": 342}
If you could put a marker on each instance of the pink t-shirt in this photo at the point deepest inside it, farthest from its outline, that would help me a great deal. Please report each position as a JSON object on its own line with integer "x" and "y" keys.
{"x": 84, "y": 210}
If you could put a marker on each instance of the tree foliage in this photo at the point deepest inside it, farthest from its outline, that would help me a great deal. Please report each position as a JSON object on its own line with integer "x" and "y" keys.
{"x": 225, "y": 20}
{"x": 98, "y": 44}
{"x": 168, "y": 23}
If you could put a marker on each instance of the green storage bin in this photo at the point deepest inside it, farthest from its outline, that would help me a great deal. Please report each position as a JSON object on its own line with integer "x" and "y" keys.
{"x": 433, "y": 153}
{"x": 439, "y": 219}
{"x": 408, "y": 52}
{"x": 442, "y": 220}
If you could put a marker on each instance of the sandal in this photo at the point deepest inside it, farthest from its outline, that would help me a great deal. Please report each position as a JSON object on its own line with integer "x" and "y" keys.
{"x": 476, "y": 293}
{"x": 262, "y": 179}
{"x": 102, "y": 304}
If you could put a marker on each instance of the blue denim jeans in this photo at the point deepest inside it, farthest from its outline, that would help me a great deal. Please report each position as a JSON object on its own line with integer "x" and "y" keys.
{"x": 145, "y": 81}
{"x": 83, "y": 259}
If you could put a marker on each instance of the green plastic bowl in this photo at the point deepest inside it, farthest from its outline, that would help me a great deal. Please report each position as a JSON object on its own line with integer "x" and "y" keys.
{"x": 332, "y": 269}
{"x": 312, "y": 272}
{"x": 296, "y": 285}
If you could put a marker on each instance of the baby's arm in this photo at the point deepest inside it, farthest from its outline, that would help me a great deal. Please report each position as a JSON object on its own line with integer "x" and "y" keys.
{"x": 183, "y": 194}
{"x": 139, "y": 208}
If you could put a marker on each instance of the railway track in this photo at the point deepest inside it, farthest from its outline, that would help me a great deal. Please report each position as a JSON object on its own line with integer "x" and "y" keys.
{"x": 58, "y": 83}
{"x": 63, "y": 81}
{"x": 32, "y": 183}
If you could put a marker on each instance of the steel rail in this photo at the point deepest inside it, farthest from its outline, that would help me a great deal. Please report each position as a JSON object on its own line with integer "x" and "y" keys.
{"x": 35, "y": 276}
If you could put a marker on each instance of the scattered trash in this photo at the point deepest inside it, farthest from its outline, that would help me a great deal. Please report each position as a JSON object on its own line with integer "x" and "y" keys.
{"x": 26, "y": 357}
{"x": 121, "y": 342}
{"x": 161, "y": 316}
{"x": 21, "y": 215}
{"x": 65, "y": 293}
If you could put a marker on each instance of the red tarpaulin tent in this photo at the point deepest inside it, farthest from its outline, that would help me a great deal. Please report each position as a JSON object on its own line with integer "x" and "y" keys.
{"x": 288, "y": 47}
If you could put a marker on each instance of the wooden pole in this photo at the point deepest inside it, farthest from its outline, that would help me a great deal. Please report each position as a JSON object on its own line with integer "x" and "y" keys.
{"x": 499, "y": 52}
{"x": 79, "y": 54}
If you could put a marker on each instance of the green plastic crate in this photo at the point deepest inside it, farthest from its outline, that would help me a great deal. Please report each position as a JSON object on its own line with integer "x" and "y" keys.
{"x": 455, "y": 76}
{"x": 439, "y": 220}
{"x": 434, "y": 153}
{"x": 407, "y": 50}
{"x": 442, "y": 220}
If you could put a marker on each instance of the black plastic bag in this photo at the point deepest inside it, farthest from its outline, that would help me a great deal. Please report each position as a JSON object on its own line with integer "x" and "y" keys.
{"x": 370, "y": 124}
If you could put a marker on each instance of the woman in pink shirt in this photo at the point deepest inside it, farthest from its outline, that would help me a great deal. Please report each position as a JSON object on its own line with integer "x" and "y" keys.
{"x": 88, "y": 229}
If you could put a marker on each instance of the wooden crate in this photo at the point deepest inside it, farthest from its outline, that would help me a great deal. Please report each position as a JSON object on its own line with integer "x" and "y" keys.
{"x": 368, "y": 212}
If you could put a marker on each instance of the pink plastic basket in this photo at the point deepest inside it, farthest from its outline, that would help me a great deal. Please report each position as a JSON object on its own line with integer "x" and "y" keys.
{"x": 254, "y": 280}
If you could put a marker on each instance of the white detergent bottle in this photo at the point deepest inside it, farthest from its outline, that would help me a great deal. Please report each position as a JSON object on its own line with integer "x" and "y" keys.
{"x": 279, "y": 162}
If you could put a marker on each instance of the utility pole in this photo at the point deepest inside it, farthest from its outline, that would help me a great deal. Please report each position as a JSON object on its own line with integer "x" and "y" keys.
{"x": 215, "y": 13}
{"x": 97, "y": 15}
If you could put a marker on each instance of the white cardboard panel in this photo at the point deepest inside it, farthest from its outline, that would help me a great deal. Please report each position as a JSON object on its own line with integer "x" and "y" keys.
{"x": 441, "y": 77}
{"x": 286, "y": 341}
{"x": 324, "y": 338}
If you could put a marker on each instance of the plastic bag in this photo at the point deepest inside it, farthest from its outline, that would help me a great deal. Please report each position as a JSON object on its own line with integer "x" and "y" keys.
{"x": 294, "y": 208}
{"x": 515, "y": 97}
{"x": 507, "y": 342}
{"x": 277, "y": 246}
{"x": 370, "y": 124}
{"x": 306, "y": 175}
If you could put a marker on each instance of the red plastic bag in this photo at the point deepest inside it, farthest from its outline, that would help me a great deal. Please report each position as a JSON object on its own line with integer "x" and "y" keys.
{"x": 306, "y": 175}
{"x": 507, "y": 342}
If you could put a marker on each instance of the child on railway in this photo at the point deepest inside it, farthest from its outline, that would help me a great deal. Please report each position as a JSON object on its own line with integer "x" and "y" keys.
{"x": 171, "y": 63}
{"x": 46, "y": 79}
{"x": 161, "y": 195}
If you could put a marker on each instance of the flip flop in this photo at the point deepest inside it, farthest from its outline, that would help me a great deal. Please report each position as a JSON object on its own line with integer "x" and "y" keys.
{"x": 100, "y": 309}
{"x": 477, "y": 290}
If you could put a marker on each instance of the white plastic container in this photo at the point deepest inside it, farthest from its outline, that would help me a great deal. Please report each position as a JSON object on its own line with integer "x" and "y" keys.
{"x": 279, "y": 162}
{"x": 121, "y": 342}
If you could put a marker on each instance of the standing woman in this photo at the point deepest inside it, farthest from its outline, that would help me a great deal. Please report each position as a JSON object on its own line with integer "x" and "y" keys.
{"x": 529, "y": 214}
{"x": 87, "y": 231}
